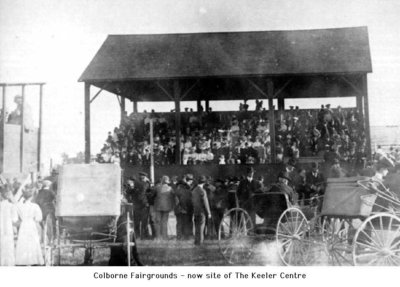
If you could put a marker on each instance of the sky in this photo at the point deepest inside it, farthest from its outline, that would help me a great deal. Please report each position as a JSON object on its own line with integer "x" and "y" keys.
{"x": 53, "y": 41}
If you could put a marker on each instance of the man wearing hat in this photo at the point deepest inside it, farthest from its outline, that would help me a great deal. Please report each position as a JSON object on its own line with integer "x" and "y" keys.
{"x": 140, "y": 204}
{"x": 290, "y": 169}
{"x": 46, "y": 201}
{"x": 246, "y": 189}
{"x": 283, "y": 185}
{"x": 377, "y": 183}
{"x": 275, "y": 204}
{"x": 315, "y": 181}
{"x": 184, "y": 208}
{"x": 336, "y": 171}
{"x": 201, "y": 210}
{"x": 16, "y": 115}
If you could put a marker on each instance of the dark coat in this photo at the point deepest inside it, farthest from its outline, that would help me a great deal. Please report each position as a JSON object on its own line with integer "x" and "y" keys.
{"x": 245, "y": 192}
{"x": 200, "y": 201}
{"x": 183, "y": 199}
{"x": 138, "y": 195}
{"x": 45, "y": 200}
{"x": 315, "y": 183}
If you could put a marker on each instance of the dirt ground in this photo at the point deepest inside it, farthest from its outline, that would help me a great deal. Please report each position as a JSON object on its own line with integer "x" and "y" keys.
{"x": 185, "y": 253}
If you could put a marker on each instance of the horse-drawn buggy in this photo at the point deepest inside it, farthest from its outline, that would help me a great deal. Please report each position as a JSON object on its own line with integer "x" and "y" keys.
{"x": 245, "y": 225}
{"x": 88, "y": 213}
{"x": 358, "y": 224}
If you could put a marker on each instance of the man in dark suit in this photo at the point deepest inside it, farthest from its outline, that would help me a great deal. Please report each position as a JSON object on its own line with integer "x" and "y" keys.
{"x": 315, "y": 182}
{"x": 275, "y": 204}
{"x": 246, "y": 189}
{"x": 184, "y": 208}
{"x": 201, "y": 210}
{"x": 136, "y": 191}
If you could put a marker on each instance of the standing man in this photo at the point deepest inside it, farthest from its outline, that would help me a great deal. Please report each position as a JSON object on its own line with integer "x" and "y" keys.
{"x": 163, "y": 204}
{"x": 140, "y": 205}
{"x": 46, "y": 199}
{"x": 210, "y": 189}
{"x": 201, "y": 210}
{"x": 151, "y": 213}
{"x": 246, "y": 189}
{"x": 218, "y": 202}
{"x": 184, "y": 208}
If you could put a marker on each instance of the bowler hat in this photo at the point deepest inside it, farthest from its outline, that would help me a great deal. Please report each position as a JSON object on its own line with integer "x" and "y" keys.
{"x": 202, "y": 179}
{"x": 189, "y": 176}
{"x": 285, "y": 175}
{"x": 142, "y": 173}
{"x": 291, "y": 162}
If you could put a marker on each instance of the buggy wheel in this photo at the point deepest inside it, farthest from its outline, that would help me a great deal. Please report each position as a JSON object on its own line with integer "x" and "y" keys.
{"x": 48, "y": 240}
{"x": 234, "y": 236}
{"x": 292, "y": 238}
{"x": 335, "y": 235}
{"x": 128, "y": 239}
{"x": 377, "y": 241}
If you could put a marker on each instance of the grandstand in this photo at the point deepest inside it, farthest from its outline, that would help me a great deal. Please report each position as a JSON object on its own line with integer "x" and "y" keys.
{"x": 264, "y": 66}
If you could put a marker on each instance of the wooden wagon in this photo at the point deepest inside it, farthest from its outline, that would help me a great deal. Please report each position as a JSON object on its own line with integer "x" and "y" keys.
{"x": 88, "y": 212}
{"x": 357, "y": 225}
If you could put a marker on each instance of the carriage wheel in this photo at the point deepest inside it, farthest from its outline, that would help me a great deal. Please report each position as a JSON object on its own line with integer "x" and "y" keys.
{"x": 377, "y": 241}
{"x": 234, "y": 235}
{"x": 335, "y": 232}
{"x": 292, "y": 238}
{"x": 128, "y": 239}
{"x": 48, "y": 240}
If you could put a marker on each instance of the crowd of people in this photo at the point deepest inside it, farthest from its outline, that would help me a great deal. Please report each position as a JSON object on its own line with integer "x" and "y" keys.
{"x": 199, "y": 203}
{"x": 23, "y": 210}
{"x": 241, "y": 137}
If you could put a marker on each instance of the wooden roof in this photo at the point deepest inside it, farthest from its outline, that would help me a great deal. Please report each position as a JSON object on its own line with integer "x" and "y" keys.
{"x": 230, "y": 54}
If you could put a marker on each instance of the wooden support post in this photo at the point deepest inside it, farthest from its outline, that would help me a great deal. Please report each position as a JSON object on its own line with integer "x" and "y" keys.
{"x": 21, "y": 148}
{"x": 207, "y": 105}
{"x": 122, "y": 107}
{"x": 281, "y": 104}
{"x": 2, "y": 129}
{"x": 198, "y": 105}
{"x": 135, "y": 108}
{"x": 39, "y": 149}
{"x": 151, "y": 152}
{"x": 270, "y": 93}
{"x": 281, "y": 108}
{"x": 366, "y": 115}
{"x": 87, "y": 123}
{"x": 360, "y": 107}
{"x": 177, "y": 93}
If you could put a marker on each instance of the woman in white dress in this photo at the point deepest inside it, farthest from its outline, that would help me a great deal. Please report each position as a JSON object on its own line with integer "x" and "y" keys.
{"x": 29, "y": 251}
{"x": 8, "y": 216}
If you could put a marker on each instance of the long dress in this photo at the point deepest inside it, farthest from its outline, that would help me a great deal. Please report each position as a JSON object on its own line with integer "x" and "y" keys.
{"x": 8, "y": 215}
{"x": 29, "y": 251}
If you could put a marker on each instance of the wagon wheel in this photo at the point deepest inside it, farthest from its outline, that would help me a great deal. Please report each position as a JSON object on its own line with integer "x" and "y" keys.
{"x": 335, "y": 232}
{"x": 128, "y": 239}
{"x": 377, "y": 241}
{"x": 292, "y": 238}
{"x": 48, "y": 240}
{"x": 234, "y": 233}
